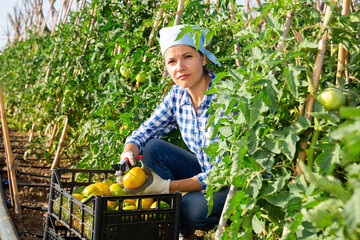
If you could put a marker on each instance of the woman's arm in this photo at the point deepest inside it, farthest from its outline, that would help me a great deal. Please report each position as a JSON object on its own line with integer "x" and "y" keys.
{"x": 160, "y": 123}
{"x": 132, "y": 147}
{"x": 185, "y": 185}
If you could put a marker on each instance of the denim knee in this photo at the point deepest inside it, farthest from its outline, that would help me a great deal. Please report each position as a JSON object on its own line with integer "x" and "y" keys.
{"x": 150, "y": 148}
{"x": 194, "y": 210}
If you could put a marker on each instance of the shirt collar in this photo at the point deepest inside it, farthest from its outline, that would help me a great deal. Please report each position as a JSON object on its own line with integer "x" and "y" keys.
{"x": 186, "y": 98}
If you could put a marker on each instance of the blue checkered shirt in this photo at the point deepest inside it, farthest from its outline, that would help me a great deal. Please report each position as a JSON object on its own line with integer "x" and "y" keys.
{"x": 176, "y": 109}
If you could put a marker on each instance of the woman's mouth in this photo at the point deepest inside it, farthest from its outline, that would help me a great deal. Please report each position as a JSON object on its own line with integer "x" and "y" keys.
{"x": 183, "y": 76}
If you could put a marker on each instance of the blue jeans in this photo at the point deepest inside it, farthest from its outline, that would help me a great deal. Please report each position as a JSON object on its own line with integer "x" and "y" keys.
{"x": 172, "y": 162}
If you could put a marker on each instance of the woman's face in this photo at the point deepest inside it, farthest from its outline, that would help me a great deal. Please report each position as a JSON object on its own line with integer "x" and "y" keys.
{"x": 185, "y": 65}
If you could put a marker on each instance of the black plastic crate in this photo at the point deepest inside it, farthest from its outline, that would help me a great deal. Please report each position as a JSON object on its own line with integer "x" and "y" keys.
{"x": 93, "y": 220}
{"x": 54, "y": 230}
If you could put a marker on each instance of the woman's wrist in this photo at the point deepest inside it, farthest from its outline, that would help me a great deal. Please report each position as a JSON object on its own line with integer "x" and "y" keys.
{"x": 132, "y": 148}
{"x": 185, "y": 185}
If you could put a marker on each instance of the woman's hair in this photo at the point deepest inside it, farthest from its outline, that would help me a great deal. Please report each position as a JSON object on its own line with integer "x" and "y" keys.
{"x": 202, "y": 55}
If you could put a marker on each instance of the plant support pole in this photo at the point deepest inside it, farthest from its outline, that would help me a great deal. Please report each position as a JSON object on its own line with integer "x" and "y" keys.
{"x": 126, "y": 24}
{"x": 342, "y": 52}
{"x": 91, "y": 27}
{"x": 9, "y": 159}
{"x": 315, "y": 82}
{"x": 232, "y": 191}
{"x": 222, "y": 223}
{"x": 52, "y": 137}
{"x": 60, "y": 146}
{"x": 179, "y": 12}
{"x": 237, "y": 45}
{"x": 156, "y": 25}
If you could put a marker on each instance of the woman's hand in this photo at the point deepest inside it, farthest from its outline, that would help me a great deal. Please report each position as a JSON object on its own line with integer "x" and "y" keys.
{"x": 153, "y": 185}
{"x": 129, "y": 157}
{"x": 127, "y": 160}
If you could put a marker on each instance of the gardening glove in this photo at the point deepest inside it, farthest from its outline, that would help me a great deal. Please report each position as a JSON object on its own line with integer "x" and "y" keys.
{"x": 127, "y": 161}
{"x": 153, "y": 185}
{"x": 128, "y": 156}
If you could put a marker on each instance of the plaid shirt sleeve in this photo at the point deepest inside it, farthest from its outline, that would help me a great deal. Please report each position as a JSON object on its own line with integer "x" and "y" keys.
{"x": 160, "y": 123}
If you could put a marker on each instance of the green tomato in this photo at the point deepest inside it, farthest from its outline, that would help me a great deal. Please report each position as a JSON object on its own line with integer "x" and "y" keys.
{"x": 332, "y": 98}
{"x": 125, "y": 71}
{"x": 334, "y": 50}
{"x": 141, "y": 77}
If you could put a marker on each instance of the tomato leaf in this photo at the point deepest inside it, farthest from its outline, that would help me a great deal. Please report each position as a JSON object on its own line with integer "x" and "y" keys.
{"x": 352, "y": 212}
{"x": 292, "y": 73}
{"x": 257, "y": 225}
{"x": 332, "y": 187}
{"x": 264, "y": 158}
{"x": 328, "y": 158}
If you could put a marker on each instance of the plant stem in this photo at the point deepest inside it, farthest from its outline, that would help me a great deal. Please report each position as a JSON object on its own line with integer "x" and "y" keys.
{"x": 310, "y": 157}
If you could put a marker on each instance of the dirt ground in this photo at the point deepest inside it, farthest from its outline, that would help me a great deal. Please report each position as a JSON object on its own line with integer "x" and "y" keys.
{"x": 30, "y": 223}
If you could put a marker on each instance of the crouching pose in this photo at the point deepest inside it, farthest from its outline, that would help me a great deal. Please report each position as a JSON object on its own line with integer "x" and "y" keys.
{"x": 185, "y": 106}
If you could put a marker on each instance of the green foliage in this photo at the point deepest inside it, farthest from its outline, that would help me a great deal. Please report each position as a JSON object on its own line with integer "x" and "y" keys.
{"x": 266, "y": 94}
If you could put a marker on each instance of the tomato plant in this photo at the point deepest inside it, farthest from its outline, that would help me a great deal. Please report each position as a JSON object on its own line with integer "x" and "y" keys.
{"x": 268, "y": 91}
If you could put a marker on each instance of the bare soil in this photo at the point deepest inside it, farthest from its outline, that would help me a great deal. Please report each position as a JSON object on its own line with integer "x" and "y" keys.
{"x": 30, "y": 223}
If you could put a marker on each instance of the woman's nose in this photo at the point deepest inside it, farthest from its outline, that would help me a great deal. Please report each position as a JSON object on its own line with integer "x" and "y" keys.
{"x": 180, "y": 66}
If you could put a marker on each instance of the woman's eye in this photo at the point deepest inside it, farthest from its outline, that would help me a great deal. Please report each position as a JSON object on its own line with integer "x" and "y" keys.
{"x": 171, "y": 61}
{"x": 188, "y": 56}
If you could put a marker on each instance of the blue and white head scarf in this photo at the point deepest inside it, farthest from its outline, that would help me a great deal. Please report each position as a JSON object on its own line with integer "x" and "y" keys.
{"x": 168, "y": 37}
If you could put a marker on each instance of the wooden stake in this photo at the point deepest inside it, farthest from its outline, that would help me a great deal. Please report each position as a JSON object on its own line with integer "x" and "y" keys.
{"x": 39, "y": 14}
{"x": 126, "y": 24}
{"x": 60, "y": 146}
{"x": 297, "y": 35}
{"x": 52, "y": 13}
{"x": 315, "y": 82}
{"x": 281, "y": 43}
{"x": 31, "y": 136}
{"x": 9, "y": 159}
{"x": 258, "y": 3}
{"x": 57, "y": 22}
{"x": 67, "y": 11}
{"x": 232, "y": 191}
{"x": 222, "y": 223}
{"x": 342, "y": 52}
{"x": 237, "y": 45}
{"x": 52, "y": 137}
{"x": 208, "y": 2}
{"x": 156, "y": 25}
{"x": 179, "y": 12}
{"x": 287, "y": 25}
{"x": 77, "y": 20}
{"x": 91, "y": 27}
{"x": 247, "y": 4}
{"x": 44, "y": 22}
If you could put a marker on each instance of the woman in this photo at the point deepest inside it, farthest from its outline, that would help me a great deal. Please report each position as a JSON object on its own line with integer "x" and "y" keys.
{"x": 185, "y": 106}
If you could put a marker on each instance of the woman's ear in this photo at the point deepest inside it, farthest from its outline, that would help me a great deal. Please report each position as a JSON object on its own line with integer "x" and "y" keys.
{"x": 203, "y": 60}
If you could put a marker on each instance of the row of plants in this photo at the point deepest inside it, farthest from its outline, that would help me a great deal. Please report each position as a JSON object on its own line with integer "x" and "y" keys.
{"x": 105, "y": 94}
